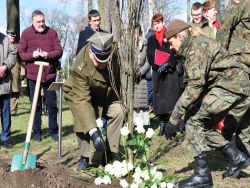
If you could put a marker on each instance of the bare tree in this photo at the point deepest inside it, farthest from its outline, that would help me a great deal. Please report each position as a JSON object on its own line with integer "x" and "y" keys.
{"x": 188, "y": 11}
{"x": 13, "y": 18}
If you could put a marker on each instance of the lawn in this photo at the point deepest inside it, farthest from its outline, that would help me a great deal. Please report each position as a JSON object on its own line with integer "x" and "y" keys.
{"x": 171, "y": 157}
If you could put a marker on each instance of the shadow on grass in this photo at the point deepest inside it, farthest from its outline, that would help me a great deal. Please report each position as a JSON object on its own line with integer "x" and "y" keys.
{"x": 20, "y": 138}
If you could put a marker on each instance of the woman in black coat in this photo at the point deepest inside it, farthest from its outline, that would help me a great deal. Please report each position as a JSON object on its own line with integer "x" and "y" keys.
{"x": 167, "y": 85}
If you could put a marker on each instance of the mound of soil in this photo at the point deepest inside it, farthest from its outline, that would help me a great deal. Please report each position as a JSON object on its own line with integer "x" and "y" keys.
{"x": 44, "y": 176}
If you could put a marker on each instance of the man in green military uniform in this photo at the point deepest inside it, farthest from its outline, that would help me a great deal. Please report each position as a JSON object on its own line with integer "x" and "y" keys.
{"x": 234, "y": 34}
{"x": 223, "y": 84}
{"x": 92, "y": 91}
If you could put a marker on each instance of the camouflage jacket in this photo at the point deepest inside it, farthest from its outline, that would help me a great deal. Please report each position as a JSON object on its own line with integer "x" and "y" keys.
{"x": 235, "y": 29}
{"x": 207, "y": 65}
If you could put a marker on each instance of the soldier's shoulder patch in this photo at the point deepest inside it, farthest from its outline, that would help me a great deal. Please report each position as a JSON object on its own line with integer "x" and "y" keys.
{"x": 191, "y": 53}
{"x": 237, "y": 2}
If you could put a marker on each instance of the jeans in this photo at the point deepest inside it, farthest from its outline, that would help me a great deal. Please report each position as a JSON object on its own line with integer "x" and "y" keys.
{"x": 50, "y": 97}
{"x": 5, "y": 116}
{"x": 150, "y": 92}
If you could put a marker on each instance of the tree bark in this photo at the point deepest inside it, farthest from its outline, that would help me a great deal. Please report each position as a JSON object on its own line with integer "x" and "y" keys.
{"x": 90, "y": 5}
{"x": 13, "y": 18}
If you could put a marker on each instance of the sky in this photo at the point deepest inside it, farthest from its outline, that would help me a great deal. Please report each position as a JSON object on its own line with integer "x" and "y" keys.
{"x": 27, "y": 6}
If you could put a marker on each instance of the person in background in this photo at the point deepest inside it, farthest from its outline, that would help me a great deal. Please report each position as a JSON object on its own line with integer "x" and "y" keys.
{"x": 17, "y": 70}
{"x": 210, "y": 13}
{"x": 224, "y": 86}
{"x": 92, "y": 91}
{"x": 41, "y": 43}
{"x": 8, "y": 59}
{"x": 197, "y": 18}
{"x": 234, "y": 34}
{"x": 167, "y": 84}
{"x": 94, "y": 25}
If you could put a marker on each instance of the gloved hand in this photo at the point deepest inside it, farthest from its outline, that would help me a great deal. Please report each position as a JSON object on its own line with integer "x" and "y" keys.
{"x": 137, "y": 77}
{"x": 168, "y": 65}
{"x": 171, "y": 130}
{"x": 182, "y": 126}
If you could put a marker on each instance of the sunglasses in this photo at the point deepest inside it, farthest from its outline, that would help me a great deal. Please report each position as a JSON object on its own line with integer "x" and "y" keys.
{"x": 11, "y": 34}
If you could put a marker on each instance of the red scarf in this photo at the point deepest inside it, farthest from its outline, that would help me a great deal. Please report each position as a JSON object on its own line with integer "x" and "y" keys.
{"x": 216, "y": 24}
{"x": 159, "y": 35}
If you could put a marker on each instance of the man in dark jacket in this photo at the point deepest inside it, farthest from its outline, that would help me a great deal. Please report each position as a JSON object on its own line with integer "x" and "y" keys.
{"x": 40, "y": 43}
{"x": 94, "y": 25}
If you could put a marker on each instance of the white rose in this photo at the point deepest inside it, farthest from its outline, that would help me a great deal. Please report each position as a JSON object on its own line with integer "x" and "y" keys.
{"x": 158, "y": 175}
{"x": 109, "y": 169}
{"x": 125, "y": 131}
{"x": 154, "y": 186}
{"x": 140, "y": 129}
{"x": 124, "y": 183}
{"x": 163, "y": 185}
{"x": 145, "y": 175}
{"x": 106, "y": 180}
{"x": 98, "y": 181}
{"x": 137, "y": 178}
{"x": 99, "y": 123}
{"x": 133, "y": 185}
{"x": 170, "y": 185}
{"x": 137, "y": 169}
{"x": 149, "y": 133}
{"x": 130, "y": 166}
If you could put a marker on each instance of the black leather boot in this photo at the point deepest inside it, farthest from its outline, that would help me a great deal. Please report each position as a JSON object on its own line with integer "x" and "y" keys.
{"x": 202, "y": 176}
{"x": 98, "y": 142}
{"x": 83, "y": 163}
{"x": 238, "y": 160}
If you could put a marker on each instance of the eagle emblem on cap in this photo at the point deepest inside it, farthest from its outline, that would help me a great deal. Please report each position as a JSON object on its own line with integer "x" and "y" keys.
{"x": 237, "y": 2}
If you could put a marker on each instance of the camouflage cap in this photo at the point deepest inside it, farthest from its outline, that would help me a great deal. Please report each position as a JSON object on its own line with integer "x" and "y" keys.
{"x": 101, "y": 46}
{"x": 176, "y": 26}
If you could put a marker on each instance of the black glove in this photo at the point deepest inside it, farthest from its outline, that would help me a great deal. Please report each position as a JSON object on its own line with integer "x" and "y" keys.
{"x": 137, "y": 77}
{"x": 168, "y": 65}
{"x": 171, "y": 130}
{"x": 182, "y": 126}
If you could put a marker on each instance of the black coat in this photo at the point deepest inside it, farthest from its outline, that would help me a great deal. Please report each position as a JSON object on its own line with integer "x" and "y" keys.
{"x": 84, "y": 35}
{"x": 167, "y": 87}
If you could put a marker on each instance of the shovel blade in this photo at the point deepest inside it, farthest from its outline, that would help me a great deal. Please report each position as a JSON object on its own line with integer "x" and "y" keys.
{"x": 16, "y": 163}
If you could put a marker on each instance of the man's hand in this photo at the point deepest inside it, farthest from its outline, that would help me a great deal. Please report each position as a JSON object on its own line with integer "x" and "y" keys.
{"x": 36, "y": 53}
{"x": 44, "y": 55}
{"x": 170, "y": 130}
{"x": 3, "y": 69}
{"x": 169, "y": 65}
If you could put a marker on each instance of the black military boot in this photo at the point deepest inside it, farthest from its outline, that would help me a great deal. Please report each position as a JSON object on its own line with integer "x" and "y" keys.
{"x": 238, "y": 160}
{"x": 98, "y": 142}
{"x": 202, "y": 176}
{"x": 83, "y": 163}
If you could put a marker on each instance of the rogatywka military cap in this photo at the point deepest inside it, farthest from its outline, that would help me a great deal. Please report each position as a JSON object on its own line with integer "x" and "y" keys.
{"x": 101, "y": 46}
{"x": 176, "y": 26}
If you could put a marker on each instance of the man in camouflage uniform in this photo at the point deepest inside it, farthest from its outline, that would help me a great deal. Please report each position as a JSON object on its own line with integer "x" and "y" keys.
{"x": 235, "y": 36}
{"x": 93, "y": 91}
{"x": 223, "y": 84}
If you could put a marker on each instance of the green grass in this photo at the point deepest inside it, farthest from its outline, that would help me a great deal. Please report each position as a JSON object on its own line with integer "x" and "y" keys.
{"x": 171, "y": 157}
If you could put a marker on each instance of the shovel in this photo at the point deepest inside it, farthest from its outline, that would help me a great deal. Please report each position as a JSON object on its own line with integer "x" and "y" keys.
{"x": 25, "y": 161}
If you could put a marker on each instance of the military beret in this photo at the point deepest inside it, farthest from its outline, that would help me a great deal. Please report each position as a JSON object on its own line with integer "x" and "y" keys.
{"x": 176, "y": 26}
{"x": 11, "y": 33}
{"x": 101, "y": 46}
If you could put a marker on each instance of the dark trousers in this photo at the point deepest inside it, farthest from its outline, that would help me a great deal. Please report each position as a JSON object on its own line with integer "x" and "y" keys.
{"x": 50, "y": 97}
{"x": 150, "y": 92}
{"x": 5, "y": 116}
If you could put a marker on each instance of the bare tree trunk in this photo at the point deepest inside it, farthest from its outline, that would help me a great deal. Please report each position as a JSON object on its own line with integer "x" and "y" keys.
{"x": 104, "y": 12}
{"x": 90, "y": 5}
{"x": 151, "y": 8}
{"x": 161, "y": 8}
{"x": 218, "y": 8}
{"x": 188, "y": 11}
{"x": 13, "y": 18}
{"x": 115, "y": 18}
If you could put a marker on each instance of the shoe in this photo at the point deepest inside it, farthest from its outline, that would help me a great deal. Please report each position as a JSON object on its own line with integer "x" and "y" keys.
{"x": 37, "y": 137}
{"x": 83, "y": 163}
{"x": 238, "y": 159}
{"x": 201, "y": 177}
{"x": 54, "y": 137}
{"x": 7, "y": 144}
{"x": 98, "y": 141}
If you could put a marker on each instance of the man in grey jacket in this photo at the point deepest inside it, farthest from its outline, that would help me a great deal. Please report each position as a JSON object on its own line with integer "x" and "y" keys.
{"x": 7, "y": 62}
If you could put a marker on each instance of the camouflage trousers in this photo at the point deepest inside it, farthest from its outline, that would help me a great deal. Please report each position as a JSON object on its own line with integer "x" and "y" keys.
{"x": 201, "y": 128}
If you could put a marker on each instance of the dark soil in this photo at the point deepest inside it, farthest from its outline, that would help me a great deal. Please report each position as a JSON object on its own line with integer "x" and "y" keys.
{"x": 44, "y": 176}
